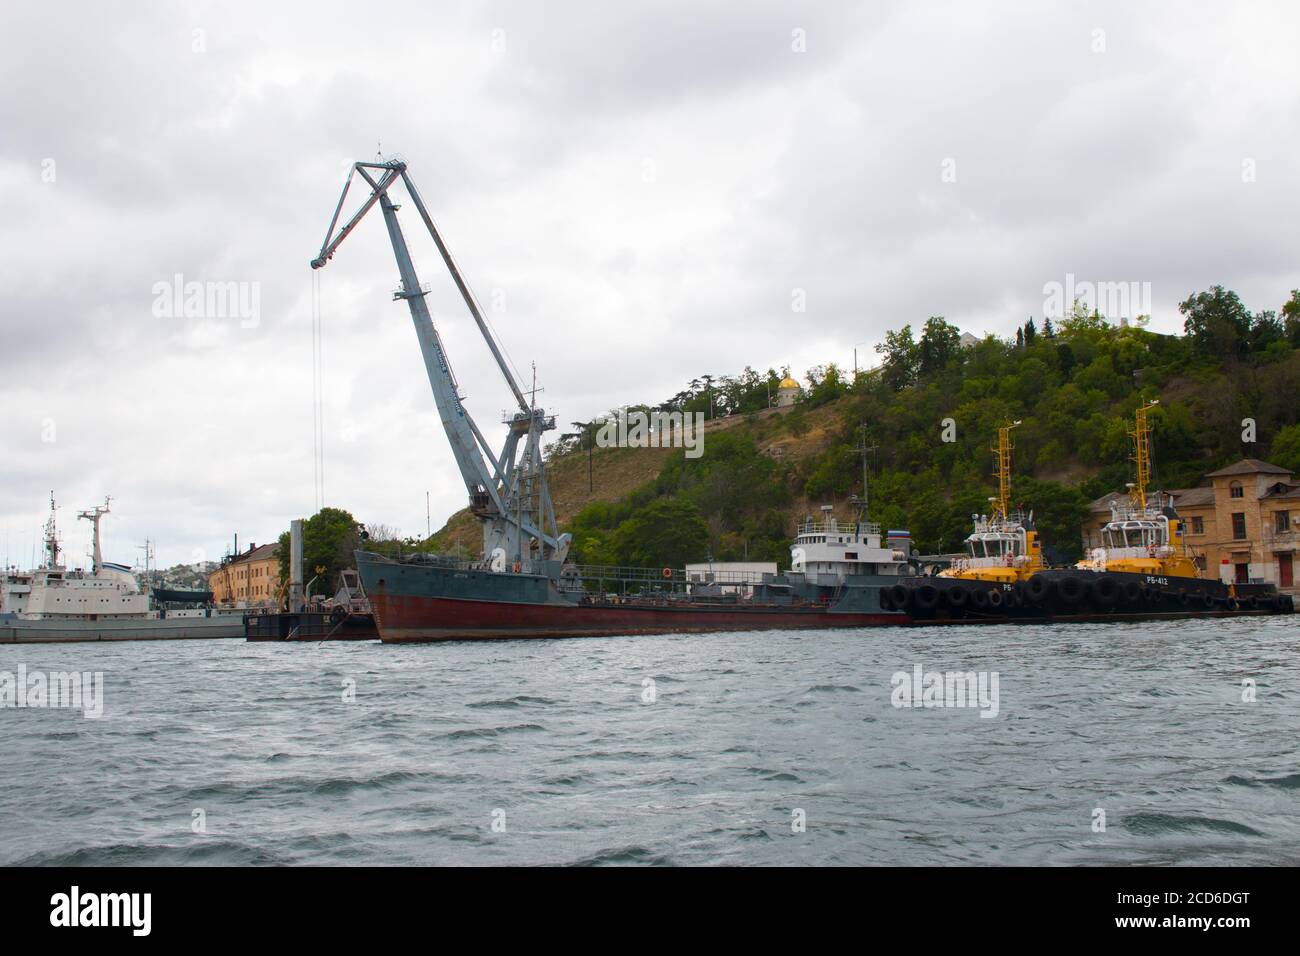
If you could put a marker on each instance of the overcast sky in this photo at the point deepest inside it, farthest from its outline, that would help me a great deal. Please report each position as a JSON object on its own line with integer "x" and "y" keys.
{"x": 635, "y": 195}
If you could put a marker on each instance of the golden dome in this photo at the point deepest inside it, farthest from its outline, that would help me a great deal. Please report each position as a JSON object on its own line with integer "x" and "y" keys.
{"x": 788, "y": 382}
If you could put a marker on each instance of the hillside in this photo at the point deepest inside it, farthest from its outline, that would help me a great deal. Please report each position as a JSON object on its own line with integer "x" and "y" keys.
{"x": 1228, "y": 388}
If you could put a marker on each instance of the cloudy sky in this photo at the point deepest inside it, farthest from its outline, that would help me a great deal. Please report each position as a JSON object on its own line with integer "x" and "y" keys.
{"x": 638, "y": 193}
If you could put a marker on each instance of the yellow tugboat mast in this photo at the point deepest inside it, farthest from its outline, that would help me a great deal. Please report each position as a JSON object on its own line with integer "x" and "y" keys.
{"x": 1141, "y": 435}
{"x": 1002, "y": 464}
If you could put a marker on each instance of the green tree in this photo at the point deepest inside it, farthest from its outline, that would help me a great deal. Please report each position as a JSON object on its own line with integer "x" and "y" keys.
{"x": 1285, "y": 450}
{"x": 902, "y": 359}
{"x": 1291, "y": 318}
{"x": 1059, "y": 513}
{"x": 329, "y": 538}
{"x": 1217, "y": 322}
{"x": 668, "y": 532}
{"x": 940, "y": 344}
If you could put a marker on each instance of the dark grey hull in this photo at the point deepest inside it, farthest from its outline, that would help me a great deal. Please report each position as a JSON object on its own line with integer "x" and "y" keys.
{"x": 18, "y": 631}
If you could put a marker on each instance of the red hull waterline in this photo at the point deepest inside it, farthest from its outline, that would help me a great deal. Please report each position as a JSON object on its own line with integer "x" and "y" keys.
{"x": 402, "y": 618}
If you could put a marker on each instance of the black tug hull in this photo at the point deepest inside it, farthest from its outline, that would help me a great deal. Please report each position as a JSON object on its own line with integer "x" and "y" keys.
{"x": 1080, "y": 596}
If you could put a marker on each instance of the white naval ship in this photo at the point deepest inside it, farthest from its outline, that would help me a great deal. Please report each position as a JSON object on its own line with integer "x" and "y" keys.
{"x": 106, "y": 603}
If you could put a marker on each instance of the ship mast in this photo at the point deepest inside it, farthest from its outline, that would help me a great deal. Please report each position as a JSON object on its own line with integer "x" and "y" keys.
{"x": 94, "y": 516}
{"x": 51, "y": 537}
{"x": 1002, "y": 468}
{"x": 1141, "y": 435}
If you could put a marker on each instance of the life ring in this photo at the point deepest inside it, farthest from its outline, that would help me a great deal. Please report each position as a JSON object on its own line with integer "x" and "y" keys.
{"x": 668, "y": 574}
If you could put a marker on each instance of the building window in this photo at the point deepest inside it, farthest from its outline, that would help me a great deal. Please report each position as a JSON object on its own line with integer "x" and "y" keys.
{"x": 1238, "y": 526}
{"x": 1198, "y": 525}
{"x": 1234, "y": 490}
{"x": 1281, "y": 521}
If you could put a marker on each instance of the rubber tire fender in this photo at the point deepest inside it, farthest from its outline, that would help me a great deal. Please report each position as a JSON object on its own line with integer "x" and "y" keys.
{"x": 1072, "y": 589}
{"x": 1105, "y": 592}
{"x": 927, "y": 596}
{"x": 1038, "y": 589}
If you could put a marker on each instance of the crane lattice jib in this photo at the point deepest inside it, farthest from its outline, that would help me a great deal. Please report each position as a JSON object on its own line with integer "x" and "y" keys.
{"x": 507, "y": 489}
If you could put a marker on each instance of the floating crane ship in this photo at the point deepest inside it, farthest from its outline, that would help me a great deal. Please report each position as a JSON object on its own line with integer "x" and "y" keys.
{"x": 524, "y": 583}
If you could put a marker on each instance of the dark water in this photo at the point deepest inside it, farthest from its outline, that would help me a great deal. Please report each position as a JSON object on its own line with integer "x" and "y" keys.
{"x": 1145, "y": 722}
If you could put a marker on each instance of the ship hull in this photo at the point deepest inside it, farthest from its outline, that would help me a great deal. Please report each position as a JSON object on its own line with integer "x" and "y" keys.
{"x": 1079, "y": 596}
{"x": 407, "y": 618}
{"x": 15, "y": 630}
{"x": 414, "y": 602}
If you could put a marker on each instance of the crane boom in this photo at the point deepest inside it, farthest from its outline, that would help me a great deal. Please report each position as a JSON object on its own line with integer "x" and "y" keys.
{"x": 507, "y": 490}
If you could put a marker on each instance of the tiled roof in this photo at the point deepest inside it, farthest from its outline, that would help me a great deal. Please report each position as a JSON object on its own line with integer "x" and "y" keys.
{"x": 1281, "y": 491}
{"x": 1183, "y": 498}
{"x": 263, "y": 553}
{"x": 1250, "y": 466}
{"x": 1193, "y": 497}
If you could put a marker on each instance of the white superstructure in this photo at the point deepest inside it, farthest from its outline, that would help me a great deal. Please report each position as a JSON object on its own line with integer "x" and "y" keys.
{"x": 828, "y": 551}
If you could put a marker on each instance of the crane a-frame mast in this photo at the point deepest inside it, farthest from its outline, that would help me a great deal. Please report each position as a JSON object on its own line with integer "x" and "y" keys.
{"x": 507, "y": 490}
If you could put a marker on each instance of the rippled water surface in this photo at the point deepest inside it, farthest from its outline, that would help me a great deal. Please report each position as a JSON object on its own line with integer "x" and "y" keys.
{"x": 566, "y": 745}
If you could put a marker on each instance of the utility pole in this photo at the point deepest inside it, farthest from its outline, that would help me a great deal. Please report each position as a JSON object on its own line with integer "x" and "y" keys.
{"x": 864, "y": 450}
{"x": 428, "y": 523}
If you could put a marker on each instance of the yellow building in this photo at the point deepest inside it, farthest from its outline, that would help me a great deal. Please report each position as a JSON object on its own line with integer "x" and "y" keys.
{"x": 1243, "y": 526}
{"x": 251, "y": 578}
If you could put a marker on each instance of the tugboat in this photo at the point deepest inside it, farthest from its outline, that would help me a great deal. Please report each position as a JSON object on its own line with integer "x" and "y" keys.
{"x": 1142, "y": 571}
{"x": 1143, "y": 564}
{"x": 107, "y": 603}
{"x": 1003, "y": 552}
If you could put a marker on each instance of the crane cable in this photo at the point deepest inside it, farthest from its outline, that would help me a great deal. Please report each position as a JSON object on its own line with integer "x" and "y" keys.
{"x": 496, "y": 337}
{"x": 318, "y": 409}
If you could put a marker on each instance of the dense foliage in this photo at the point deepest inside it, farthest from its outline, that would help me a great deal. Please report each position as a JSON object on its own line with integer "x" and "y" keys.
{"x": 729, "y": 504}
{"x": 1072, "y": 384}
{"x": 328, "y": 539}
